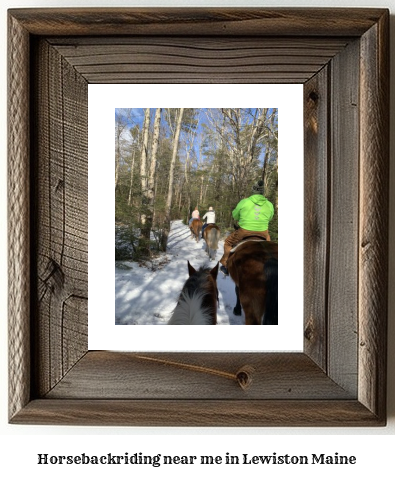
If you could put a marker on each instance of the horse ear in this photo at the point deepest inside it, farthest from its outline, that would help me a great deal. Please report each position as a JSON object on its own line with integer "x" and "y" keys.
{"x": 214, "y": 271}
{"x": 191, "y": 270}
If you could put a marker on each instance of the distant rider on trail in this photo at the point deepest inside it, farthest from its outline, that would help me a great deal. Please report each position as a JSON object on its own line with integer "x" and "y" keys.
{"x": 210, "y": 218}
{"x": 195, "y": 215}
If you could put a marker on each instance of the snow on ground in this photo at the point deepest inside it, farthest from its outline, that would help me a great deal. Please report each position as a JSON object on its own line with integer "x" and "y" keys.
{"x": 148, "y": 296}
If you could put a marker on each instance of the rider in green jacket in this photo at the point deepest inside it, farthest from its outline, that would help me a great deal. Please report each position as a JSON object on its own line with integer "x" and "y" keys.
{"x": 253, "y": 215}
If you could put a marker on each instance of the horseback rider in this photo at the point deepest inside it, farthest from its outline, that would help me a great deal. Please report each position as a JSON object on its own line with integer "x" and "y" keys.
{"x": 210, "y": 218}
{"x": 253, "y": 215}
{"x": 195, "y": 215}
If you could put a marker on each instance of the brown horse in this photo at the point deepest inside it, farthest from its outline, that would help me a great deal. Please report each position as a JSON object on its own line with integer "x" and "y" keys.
{"x": 211, "y": 235}
{"x": 197, "y": 304}
{"x": 196, "y": 228}
{"x": 253, "y": 266}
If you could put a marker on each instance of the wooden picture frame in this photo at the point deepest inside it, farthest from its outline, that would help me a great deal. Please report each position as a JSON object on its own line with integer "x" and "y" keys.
{"x": 342, "y": 58}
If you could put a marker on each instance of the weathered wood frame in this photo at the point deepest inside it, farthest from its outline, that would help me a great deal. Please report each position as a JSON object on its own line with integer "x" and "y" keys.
{"x": 342, "y": 58}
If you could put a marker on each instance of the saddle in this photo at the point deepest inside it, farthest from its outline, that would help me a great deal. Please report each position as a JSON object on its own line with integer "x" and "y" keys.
{"x": 248, "y": 239}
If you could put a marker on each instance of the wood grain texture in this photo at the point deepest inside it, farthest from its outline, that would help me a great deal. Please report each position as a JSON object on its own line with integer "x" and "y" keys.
{"x": 373, "y": 227}
{"x": 191, "y": 59}
{"x": 344, "y": 210}
{"x": 202, "y": 413}
{"x": 61, "y": 222}
{"x": 204, "y": 375}
{"x": 316, "y": 214}
{"x": 18, "y": 212}
{"x": 335, "y": 381}
{"x": 259, "y": 22}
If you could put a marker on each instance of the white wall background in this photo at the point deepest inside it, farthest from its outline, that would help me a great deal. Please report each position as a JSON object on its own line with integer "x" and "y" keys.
{"x": 21, "y": 444}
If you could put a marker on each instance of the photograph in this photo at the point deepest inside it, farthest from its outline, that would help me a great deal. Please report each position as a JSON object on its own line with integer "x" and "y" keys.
{"x": 319, "y": 78}
{"x": 196, "y": 216}
{"x": 198, "y": 190}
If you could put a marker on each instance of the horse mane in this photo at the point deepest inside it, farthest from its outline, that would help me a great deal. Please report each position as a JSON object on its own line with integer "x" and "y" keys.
{"x": 190, "y": 309}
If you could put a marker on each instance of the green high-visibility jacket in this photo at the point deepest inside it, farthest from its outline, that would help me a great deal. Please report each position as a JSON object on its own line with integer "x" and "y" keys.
{"x": 254, "y": 213}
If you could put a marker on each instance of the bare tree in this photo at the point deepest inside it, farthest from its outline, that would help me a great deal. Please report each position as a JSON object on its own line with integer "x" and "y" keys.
{"x": 223, "y": 152}
{"x": 135, "y": 147}
{"x": 171, "y": 179}
{"x": 144, "y": 156}
{"x": 189, "y": 145}
{"x": 119, "y": 128}
{"x": 150, "y": 192}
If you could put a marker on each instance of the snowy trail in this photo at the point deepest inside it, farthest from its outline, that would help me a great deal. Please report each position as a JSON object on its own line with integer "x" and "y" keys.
{"x": 148, "y": 297}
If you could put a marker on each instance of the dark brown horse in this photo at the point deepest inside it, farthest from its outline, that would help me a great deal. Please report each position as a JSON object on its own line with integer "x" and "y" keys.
{"x": 253, "y": 266}
{"x": 197, "y": 304}
{"x": 196, "y": 228}
{"x": 211, "y": 235}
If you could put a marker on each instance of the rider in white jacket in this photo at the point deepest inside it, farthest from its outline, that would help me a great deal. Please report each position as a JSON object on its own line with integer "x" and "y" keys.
{"x": 210, "y": 218}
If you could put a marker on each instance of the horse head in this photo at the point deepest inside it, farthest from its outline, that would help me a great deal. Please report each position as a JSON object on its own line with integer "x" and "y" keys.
{"x": 198, "y": 300}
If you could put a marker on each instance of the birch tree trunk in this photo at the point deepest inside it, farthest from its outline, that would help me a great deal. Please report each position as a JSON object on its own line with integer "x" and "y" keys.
{"x": 166, "y": 228}
{"x": 187, "y": 167}
{"x": 265, "y": 161}
{"x": 131, "y": 177}
{"x": 150, "y": 194}
{"x": 143, "y": 162}
{"x": 118, "y": 132}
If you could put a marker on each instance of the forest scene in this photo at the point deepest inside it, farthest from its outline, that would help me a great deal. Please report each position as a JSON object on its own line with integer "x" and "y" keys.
{"x": 170, "y": 160}
{"x": 167, "y": 163}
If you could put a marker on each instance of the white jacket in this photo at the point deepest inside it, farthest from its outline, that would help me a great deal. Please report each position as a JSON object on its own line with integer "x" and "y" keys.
{"x": 210, "y": 215}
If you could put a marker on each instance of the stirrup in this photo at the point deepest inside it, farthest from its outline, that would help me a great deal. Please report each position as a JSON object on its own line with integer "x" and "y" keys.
{"x": 224, "y": 270}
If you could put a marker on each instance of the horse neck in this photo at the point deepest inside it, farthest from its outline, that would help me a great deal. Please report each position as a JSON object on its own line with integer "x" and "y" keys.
{"x": 209, "y": 300}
